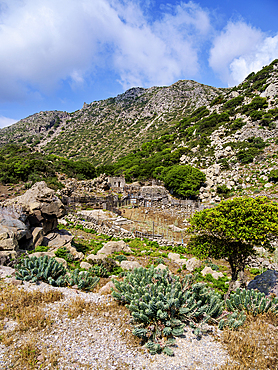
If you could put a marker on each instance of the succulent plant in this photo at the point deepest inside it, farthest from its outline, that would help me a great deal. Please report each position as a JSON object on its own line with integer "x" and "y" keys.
{"x": 41, "y": 268}
{"x": 98, "y": 270}
{"x": 161, "y": 304}
{"x": 252, "y": 301}
{"x": 83, "y": 280}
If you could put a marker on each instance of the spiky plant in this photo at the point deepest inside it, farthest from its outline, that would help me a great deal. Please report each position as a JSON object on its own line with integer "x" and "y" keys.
{"x": 161, "y": 304}
{"x": 83, "y": 280}
{"x": 99, "y": 271}
{"x": 252, "y": 301}
{"x": 43, "y": 268}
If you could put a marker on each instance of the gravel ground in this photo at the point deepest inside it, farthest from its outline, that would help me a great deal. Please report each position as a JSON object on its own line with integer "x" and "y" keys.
{"x": 90, "y": 342}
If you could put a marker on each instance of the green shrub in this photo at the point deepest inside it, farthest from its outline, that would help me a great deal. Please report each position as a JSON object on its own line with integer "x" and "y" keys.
{"x": 273, "y": 175}
{"x": 39, "y": 248}
{"x": 64, "y": 253}
{"x": 99, "y": 271}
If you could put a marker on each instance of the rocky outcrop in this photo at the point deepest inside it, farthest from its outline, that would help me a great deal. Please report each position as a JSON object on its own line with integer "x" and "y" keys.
{"x": 27, "y": 219}
{"x": 39, "y": 207}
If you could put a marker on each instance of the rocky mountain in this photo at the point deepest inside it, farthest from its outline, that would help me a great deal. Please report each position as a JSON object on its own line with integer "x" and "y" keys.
{"x": 104, "y": 130}
{"x": 230, "y": 134}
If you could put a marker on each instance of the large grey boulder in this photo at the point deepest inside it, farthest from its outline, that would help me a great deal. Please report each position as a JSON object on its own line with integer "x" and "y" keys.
{"x": 38, "y": 206}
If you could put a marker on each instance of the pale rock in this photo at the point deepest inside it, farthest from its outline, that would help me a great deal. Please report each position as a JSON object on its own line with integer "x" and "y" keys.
{"x": 192, "y": 264}
{"x": 268, "y": 185}
{"x": 57, "y": 239}
{"x": 41, "y": 254}
{"x": 62, "y": 261}
{"x": 8, "y": 240}
{"x": 209, "y": 270}
{"x": 107, "y": 288}
{"x": 85, "y": 265}
{"x": 130, "y": 265}
{"x": 114, "y": 246}
{"x": 160, "y": 267}
{"x": 173, "y": 256}
{"x": 94, "y": 257}
{"x": 37, "y": 235}
{"x": 6, "y": 271}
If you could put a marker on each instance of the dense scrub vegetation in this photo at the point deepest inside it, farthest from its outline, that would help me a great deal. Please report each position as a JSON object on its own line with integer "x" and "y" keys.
{"x": 20, "y": 163}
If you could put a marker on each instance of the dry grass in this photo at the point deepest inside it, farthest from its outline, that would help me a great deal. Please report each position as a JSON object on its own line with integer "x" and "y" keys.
{"x": 75, "y": 308}
{"x": 253, "y": 346}
{"x": 26, "y": 307}
{"x": 161, "y": 218}
{"x": 30, "y": 354}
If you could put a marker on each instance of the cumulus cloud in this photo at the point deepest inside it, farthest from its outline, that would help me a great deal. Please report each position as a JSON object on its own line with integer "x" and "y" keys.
{"x": 239, "y": 50}
{"x": 5, "y": 121}
{"x": 45, "y": 42}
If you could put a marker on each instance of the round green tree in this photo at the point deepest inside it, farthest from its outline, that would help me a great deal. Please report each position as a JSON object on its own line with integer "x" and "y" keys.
{"x": 233, "y": 229}
{"x": 184, "y": 180}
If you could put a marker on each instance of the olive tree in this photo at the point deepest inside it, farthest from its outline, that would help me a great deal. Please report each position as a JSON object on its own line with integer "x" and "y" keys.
{"x": 233, "y": 229}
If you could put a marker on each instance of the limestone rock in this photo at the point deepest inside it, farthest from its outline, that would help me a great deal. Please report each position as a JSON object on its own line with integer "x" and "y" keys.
{"x": 57, "y": 239}
{"x": 112, "y": 246}
{"x": 8, "y": 240}
{"x": 209, "y": 270}
{"x": 173, "y": 256}
{"x": 37, "y": 235}
{"x": 41, "y": 254}
{"x": 39, "y": 205}
{"x": 107, "y": 288}
{"x": 62, "y": 261}
{"x": 192, "y": 264}
{"x": 130, "y": 265}
{"x": 6, "y": 271}
{"x": 161, "y": 267}
{"x": 85, "y": 265}
{"x": 96, "y": 257}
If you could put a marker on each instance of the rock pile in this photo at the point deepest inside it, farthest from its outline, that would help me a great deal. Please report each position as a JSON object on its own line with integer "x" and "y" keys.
{"x": 27, "y": 219}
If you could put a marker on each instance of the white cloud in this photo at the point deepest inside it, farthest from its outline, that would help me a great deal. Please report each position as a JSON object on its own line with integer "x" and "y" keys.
{"x": 47, "y": 41}
{"x": 5, "y": 121}
{"x": 239, "y": 50}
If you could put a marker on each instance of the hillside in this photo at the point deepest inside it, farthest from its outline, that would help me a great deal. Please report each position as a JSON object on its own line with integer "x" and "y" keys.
{"x": 231, "y": 135}
{"x": 104, "y": 130}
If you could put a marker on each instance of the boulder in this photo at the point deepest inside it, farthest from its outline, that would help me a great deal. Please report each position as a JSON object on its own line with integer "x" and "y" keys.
{"x": 41, "y": 254}
{"x": 173, "y": 256}
{"x": 6, "y": 271}
{"x": 208, "y": 270}
{"x": 96, "y": 257}
{"x": 130, "y": 265}
{"x": 266, "y": 283}
{"x": 62, "y": 261}
{"x": 57, "y": 239}
{"x": 107, "y": 288}
{"x": 161, "y": 267}
{"x": 192, "y": 264}
{"x": 85, "y": 265}
{"x": 37, "y": 235}
{"x": 39, "y": 205}
{"x": 8, "y": 240}
{"x": 112, "y": 247}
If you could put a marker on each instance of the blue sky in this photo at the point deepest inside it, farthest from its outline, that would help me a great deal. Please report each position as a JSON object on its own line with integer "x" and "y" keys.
{"x": 58, "y": 54}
